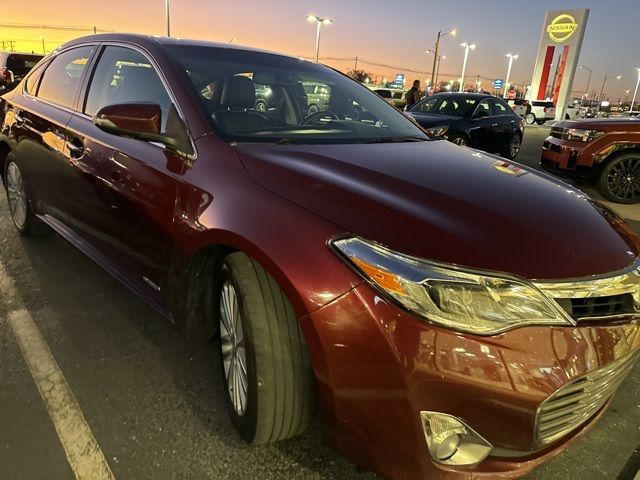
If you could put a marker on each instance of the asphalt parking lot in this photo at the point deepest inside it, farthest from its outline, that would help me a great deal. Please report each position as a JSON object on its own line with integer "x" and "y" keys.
{"x": 153, "y": 401}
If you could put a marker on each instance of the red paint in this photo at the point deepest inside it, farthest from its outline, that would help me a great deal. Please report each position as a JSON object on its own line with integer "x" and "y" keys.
{"x": 560, "y": 73}
{"x": 546, "y": 69}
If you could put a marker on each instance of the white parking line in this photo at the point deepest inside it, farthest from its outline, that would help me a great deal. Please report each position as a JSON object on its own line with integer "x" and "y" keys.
{"x": 83, "y": 452}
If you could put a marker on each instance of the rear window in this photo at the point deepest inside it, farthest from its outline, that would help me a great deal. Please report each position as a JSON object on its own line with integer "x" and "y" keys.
{"x": 384, "y": 93}
{"x": 543, "y": 104}
{"x": 21, "y": 64}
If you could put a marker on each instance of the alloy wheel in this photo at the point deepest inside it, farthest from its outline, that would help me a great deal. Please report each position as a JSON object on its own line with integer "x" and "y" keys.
{"x": 16, "y": 195}
{"x": 514, "y": 146}
{"x": 234, "y": 355}
{"x": 623, "y": 179}
{"x": 460, "y": 141}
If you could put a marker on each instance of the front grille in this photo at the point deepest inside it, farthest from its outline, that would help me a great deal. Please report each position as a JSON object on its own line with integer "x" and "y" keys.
{"x": 602, "y": 306}
{"x": 577, "y": 401}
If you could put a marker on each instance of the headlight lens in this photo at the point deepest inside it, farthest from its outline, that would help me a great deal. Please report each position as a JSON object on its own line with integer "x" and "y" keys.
{"x": 466, "y": 300}
{"x": 437, "y": 131}
{"x": 581, "y": 134}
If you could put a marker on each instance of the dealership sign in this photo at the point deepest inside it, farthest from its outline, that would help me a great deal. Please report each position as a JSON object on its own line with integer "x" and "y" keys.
{"x": 562, "y": 27}
{"x": 498, "y": 83}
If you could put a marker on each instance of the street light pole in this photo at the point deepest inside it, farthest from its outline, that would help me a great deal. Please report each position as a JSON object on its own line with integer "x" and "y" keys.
{"x": 635, "y": 93}
{"x": 436, "y": 50}
{"x": 319, "y": 22}
{"x": 506, "y": 83}
{"x": 467, "y": 47}
{"x": 440, "y": 58}
{"x": 167, "y": 17}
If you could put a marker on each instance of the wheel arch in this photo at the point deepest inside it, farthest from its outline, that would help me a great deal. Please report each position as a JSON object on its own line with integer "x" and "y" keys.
{"x": 613, "y": 150}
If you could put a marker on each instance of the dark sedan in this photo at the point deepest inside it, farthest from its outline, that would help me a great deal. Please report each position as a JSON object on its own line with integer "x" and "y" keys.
{"x": 471, "y": 119}
{"x": 441, "y": 305}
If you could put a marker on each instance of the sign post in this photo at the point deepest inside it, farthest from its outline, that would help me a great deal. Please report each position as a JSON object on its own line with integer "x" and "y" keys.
{"x": 563, "y": 30}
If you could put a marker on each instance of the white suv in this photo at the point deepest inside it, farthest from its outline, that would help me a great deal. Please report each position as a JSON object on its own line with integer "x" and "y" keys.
{"x": 541, "y": 112}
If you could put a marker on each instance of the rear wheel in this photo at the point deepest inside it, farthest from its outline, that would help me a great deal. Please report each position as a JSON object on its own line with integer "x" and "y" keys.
{"x": 530, "y": 118}
{"x": 22, "y": 215}
{"x": 266, "y": 368}
{"x": 313, "y": 109}
{"x": 619, "y": 180}
{"x": 511, "y": 150}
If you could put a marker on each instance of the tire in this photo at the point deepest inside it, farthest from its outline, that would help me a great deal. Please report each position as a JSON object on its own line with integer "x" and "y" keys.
{"x": 541, "y": 122}
{"x": 20, "y": 209}
{"x": 459, "y": 140}
{"x": 529, "y": 118}
{"x": 261, "y": 106}
{"x": 567, "y": 117}
{"x": 279, "y": 396}
{"x": 511, "y": 150}
{"x": 619, "y": 180}
{"x": 312, "y": 110}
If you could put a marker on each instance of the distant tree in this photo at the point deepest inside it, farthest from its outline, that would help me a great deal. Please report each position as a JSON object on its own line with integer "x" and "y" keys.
{"x": 360, "y": 75}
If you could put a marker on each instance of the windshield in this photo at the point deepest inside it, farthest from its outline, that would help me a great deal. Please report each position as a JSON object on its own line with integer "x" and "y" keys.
{"x": 445, "y": 104}
{"x": 261, "y": 97}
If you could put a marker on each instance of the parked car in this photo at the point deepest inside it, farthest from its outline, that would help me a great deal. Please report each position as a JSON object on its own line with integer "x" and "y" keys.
{"x": 630, "y": 114}
{"x": 541, "y": 112}
{"x": 317, "y": 97}
{"x": 469, "y": 119}
{"x": 575, "y": 112}
{"x": 442, "y": 305}
{"x": 13, "y": 68}
{"x": 393, "y": 96}
{"x": 520, "y": 105}
{"x": 605, "y": 152}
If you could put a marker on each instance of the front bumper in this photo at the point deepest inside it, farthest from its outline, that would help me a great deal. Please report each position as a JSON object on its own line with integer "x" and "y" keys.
{"x": 567, "y": 158}
{"x": 379, "y": 367}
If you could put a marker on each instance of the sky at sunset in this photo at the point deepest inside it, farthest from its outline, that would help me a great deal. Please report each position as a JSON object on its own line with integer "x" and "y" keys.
{"x": 394, "y": 33}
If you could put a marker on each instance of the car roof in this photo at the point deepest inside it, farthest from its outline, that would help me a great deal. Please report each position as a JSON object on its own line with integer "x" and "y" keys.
{"x": 476, "y": 96}
{"x": 143, "y": 40}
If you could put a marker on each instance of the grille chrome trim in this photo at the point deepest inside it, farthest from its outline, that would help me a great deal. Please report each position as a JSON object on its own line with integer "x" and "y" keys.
{"x": 576, "y": 402}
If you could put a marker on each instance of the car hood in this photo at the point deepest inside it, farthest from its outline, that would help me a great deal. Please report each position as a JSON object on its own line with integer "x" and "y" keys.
{"x": 605, "y": 124}
{"x": 446, "y": 203}
{"x": 429, "y": 120}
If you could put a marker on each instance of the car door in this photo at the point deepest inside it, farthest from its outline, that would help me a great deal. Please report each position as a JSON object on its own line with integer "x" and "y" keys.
{"x": 505, "y": 125}
{"x": 122, "y": 191}
{"x": 37, "y": 122}
{"x": 482, "y": 126}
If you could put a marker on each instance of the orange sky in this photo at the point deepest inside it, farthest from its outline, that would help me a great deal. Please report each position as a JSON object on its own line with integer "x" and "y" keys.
{"x": 392, "y": 32}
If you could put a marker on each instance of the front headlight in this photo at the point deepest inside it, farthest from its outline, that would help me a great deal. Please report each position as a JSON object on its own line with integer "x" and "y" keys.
{"x": 437, "y": 131}
{"x": 461, "y": 299}
{"x": 581, "y": 134}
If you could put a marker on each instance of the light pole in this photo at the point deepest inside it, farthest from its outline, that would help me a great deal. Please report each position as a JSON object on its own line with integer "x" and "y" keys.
{"x": 438, "y": 59}
{"x": 618, "y": 77}
{"x": 319, "y": 22}
{"x": 506, "y": 83}
{"x": 166, "y": 15}
{"x": 43, "y": 49}
{"x": 467, "y": 47}
{"x": 436, "y": 49}
{"x": 635, "y": 93}
{"x": 586, "y": 93}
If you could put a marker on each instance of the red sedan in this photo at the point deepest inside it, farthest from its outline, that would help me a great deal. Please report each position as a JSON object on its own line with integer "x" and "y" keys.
{"x": 441, "y": 303}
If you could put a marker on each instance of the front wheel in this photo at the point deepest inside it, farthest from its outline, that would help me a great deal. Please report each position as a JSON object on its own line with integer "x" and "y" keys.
{"x": 530, "y": 118}
{"x": 313, "y": 109}
{"x": 266, "y": 367}
{"x": 619, "y": 180}
{"x": 460, "y": 140}
{"x": 22, "y": 215}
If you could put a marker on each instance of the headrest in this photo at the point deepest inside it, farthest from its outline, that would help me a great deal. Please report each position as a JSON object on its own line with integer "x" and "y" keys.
{"x": 240, "y": 92}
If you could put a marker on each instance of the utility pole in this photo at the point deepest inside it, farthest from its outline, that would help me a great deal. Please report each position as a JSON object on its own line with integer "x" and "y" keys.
{"x": 355, "y": 66}
{"x": 166, "y": 14}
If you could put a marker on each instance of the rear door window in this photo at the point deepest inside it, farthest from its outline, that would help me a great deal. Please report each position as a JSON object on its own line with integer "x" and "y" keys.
{"x": 500, "y": 108}
{"x": 61, "y": 78}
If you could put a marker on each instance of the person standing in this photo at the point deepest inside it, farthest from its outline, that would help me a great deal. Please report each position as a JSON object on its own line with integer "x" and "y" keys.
{"x": 413, "y": 94}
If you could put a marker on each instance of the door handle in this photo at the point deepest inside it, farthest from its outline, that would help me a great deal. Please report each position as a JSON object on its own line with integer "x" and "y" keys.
{"x": 494, "y": 124}
{"x": 75, "y": 150}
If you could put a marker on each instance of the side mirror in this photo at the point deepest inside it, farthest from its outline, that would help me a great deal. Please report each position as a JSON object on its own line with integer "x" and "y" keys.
{"x": 143, "y": 121}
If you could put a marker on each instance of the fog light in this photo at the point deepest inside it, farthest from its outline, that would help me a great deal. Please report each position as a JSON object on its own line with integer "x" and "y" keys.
{"x": 451, "y": 442}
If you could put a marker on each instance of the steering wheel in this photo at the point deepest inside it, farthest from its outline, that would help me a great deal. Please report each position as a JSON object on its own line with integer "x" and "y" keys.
{"x": 318, "y": 115}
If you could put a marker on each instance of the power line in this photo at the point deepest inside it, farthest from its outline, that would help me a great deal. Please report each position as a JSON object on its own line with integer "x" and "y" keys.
{"x": 73, "y": 28}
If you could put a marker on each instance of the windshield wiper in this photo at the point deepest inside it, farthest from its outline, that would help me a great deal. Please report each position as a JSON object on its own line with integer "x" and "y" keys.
{"x": 288, "y": 141}
{"x": 397, "y": 139}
